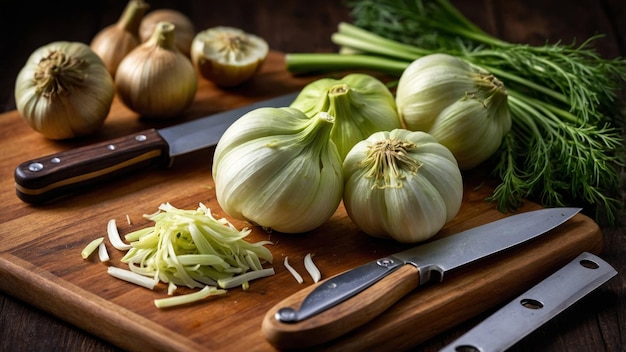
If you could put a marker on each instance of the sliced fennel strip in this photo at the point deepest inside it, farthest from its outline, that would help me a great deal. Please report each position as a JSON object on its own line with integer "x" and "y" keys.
{"x": 132, "y": 277}
{"x": 243, "y": 279}
{"x": 205, "y": 292}
{"x": 312, "y": 268}
{"x": 102, "y": 253}
{"x": 293, "y": 271}
{"x": 171, "y": 287}
{"x": 114, "y": 236}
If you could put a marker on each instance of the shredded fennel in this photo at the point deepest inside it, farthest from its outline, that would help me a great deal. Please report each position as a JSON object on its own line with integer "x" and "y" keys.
{"x": 194, "y": 249}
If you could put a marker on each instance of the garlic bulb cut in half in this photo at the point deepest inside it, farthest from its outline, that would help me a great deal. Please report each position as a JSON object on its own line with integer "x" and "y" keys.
{"x": 278, "y": 169}
{"x": 401, "y": 185}
{"x": 228, "y": 56}
{"x": 463, "y": 106}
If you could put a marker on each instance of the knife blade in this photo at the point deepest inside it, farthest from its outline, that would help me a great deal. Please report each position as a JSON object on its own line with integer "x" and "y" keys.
{"x": 337, "y": 305}
{"x": 535, "y": 307}
{"x": 47, "y": 178}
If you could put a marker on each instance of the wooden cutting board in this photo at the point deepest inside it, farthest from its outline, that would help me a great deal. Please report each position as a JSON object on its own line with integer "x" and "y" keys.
{"x": 40, "y": 248}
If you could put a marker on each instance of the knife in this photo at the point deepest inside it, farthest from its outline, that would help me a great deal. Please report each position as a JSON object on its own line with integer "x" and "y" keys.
{"x": 536, "y": 306}
{"x": 337, "y": 305}
{"x": 47, "y": 178}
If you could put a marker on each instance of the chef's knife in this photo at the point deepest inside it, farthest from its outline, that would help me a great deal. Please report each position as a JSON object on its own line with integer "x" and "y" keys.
{"x": 47, "y": 178}
{"x": 536, "y": 306}
{"x": 335, "y": 306}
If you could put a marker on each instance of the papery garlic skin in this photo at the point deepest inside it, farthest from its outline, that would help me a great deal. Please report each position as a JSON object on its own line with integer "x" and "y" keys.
{"x": 184, "y": 27}
{"x": 360, "y": 103}
{"x": 64, "y": 90}
{"x": 278, "y": 169}
{"x": 464, "y": 107}
{"x": 115, "y": 41}
{"x": 401, "y": 185}
{"x": 156, "y": 80}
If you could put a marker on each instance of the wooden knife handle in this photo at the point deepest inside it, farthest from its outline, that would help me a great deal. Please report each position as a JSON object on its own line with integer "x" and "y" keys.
{"x": 340, "y": 319}
{"x": 50, "y": 177}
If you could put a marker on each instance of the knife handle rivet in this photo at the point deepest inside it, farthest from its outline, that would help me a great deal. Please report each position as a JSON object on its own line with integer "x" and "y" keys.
{"x": 141, "y": 138}
{"x": 111, "y": 147}
{"x": 34, "y": 167}
{"x": 385, "y": 262}
{"x": 55, "y": 160}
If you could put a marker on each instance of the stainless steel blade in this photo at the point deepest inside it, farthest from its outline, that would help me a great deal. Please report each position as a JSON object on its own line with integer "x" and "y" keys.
{"x": 206, "y": 132}
{"x": 437, "y": 256}
{"x": 536, "y": 306}
{"x": 465, "y": 247}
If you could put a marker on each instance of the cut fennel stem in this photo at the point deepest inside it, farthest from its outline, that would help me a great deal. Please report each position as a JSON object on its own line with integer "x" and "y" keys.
{"x": 91, "y": 247}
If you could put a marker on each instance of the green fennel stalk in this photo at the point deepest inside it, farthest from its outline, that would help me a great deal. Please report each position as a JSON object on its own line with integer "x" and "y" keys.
{"x": 565, "y": 146}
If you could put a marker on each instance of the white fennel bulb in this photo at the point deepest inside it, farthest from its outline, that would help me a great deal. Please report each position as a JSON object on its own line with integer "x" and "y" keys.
{"x": 278, "y": 169}
{"x": 463, "y": 106}
{"x": 401, "y": 185}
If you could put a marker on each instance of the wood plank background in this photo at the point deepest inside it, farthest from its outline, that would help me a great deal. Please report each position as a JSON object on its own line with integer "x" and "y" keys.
{"x": 596, "y": 324}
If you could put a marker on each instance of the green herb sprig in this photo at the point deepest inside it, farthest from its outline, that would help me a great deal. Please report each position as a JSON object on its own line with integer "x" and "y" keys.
{"x": 566, "y": 145}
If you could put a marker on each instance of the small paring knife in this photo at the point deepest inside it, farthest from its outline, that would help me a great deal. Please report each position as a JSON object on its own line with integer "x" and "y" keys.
{"x": 333, "y": 307}
{"x": 47, "y": 178}
{"x": 536, "y": 306}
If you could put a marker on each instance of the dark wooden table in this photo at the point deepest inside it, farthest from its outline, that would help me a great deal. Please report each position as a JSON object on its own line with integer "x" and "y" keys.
{"x": 597, "y": 323}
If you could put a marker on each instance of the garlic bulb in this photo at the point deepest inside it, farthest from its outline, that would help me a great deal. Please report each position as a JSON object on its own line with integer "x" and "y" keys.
{"x": 183, "y": 26}
{"x": 64, "y": 90}
{"x": 401, "y": 185}
{"x": 156, "y": 80}
{"x": 360, "y": 103}
{"x": 117, "y": 40}
{"x": 464, "y": 107}
{"x": 278, "y": 169}
{"x": 228, "y": 56}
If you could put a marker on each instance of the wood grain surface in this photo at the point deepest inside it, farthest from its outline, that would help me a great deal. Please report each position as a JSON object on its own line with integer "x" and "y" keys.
{"x": 40, "y": 261}
{"x": 54, "y": 300}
